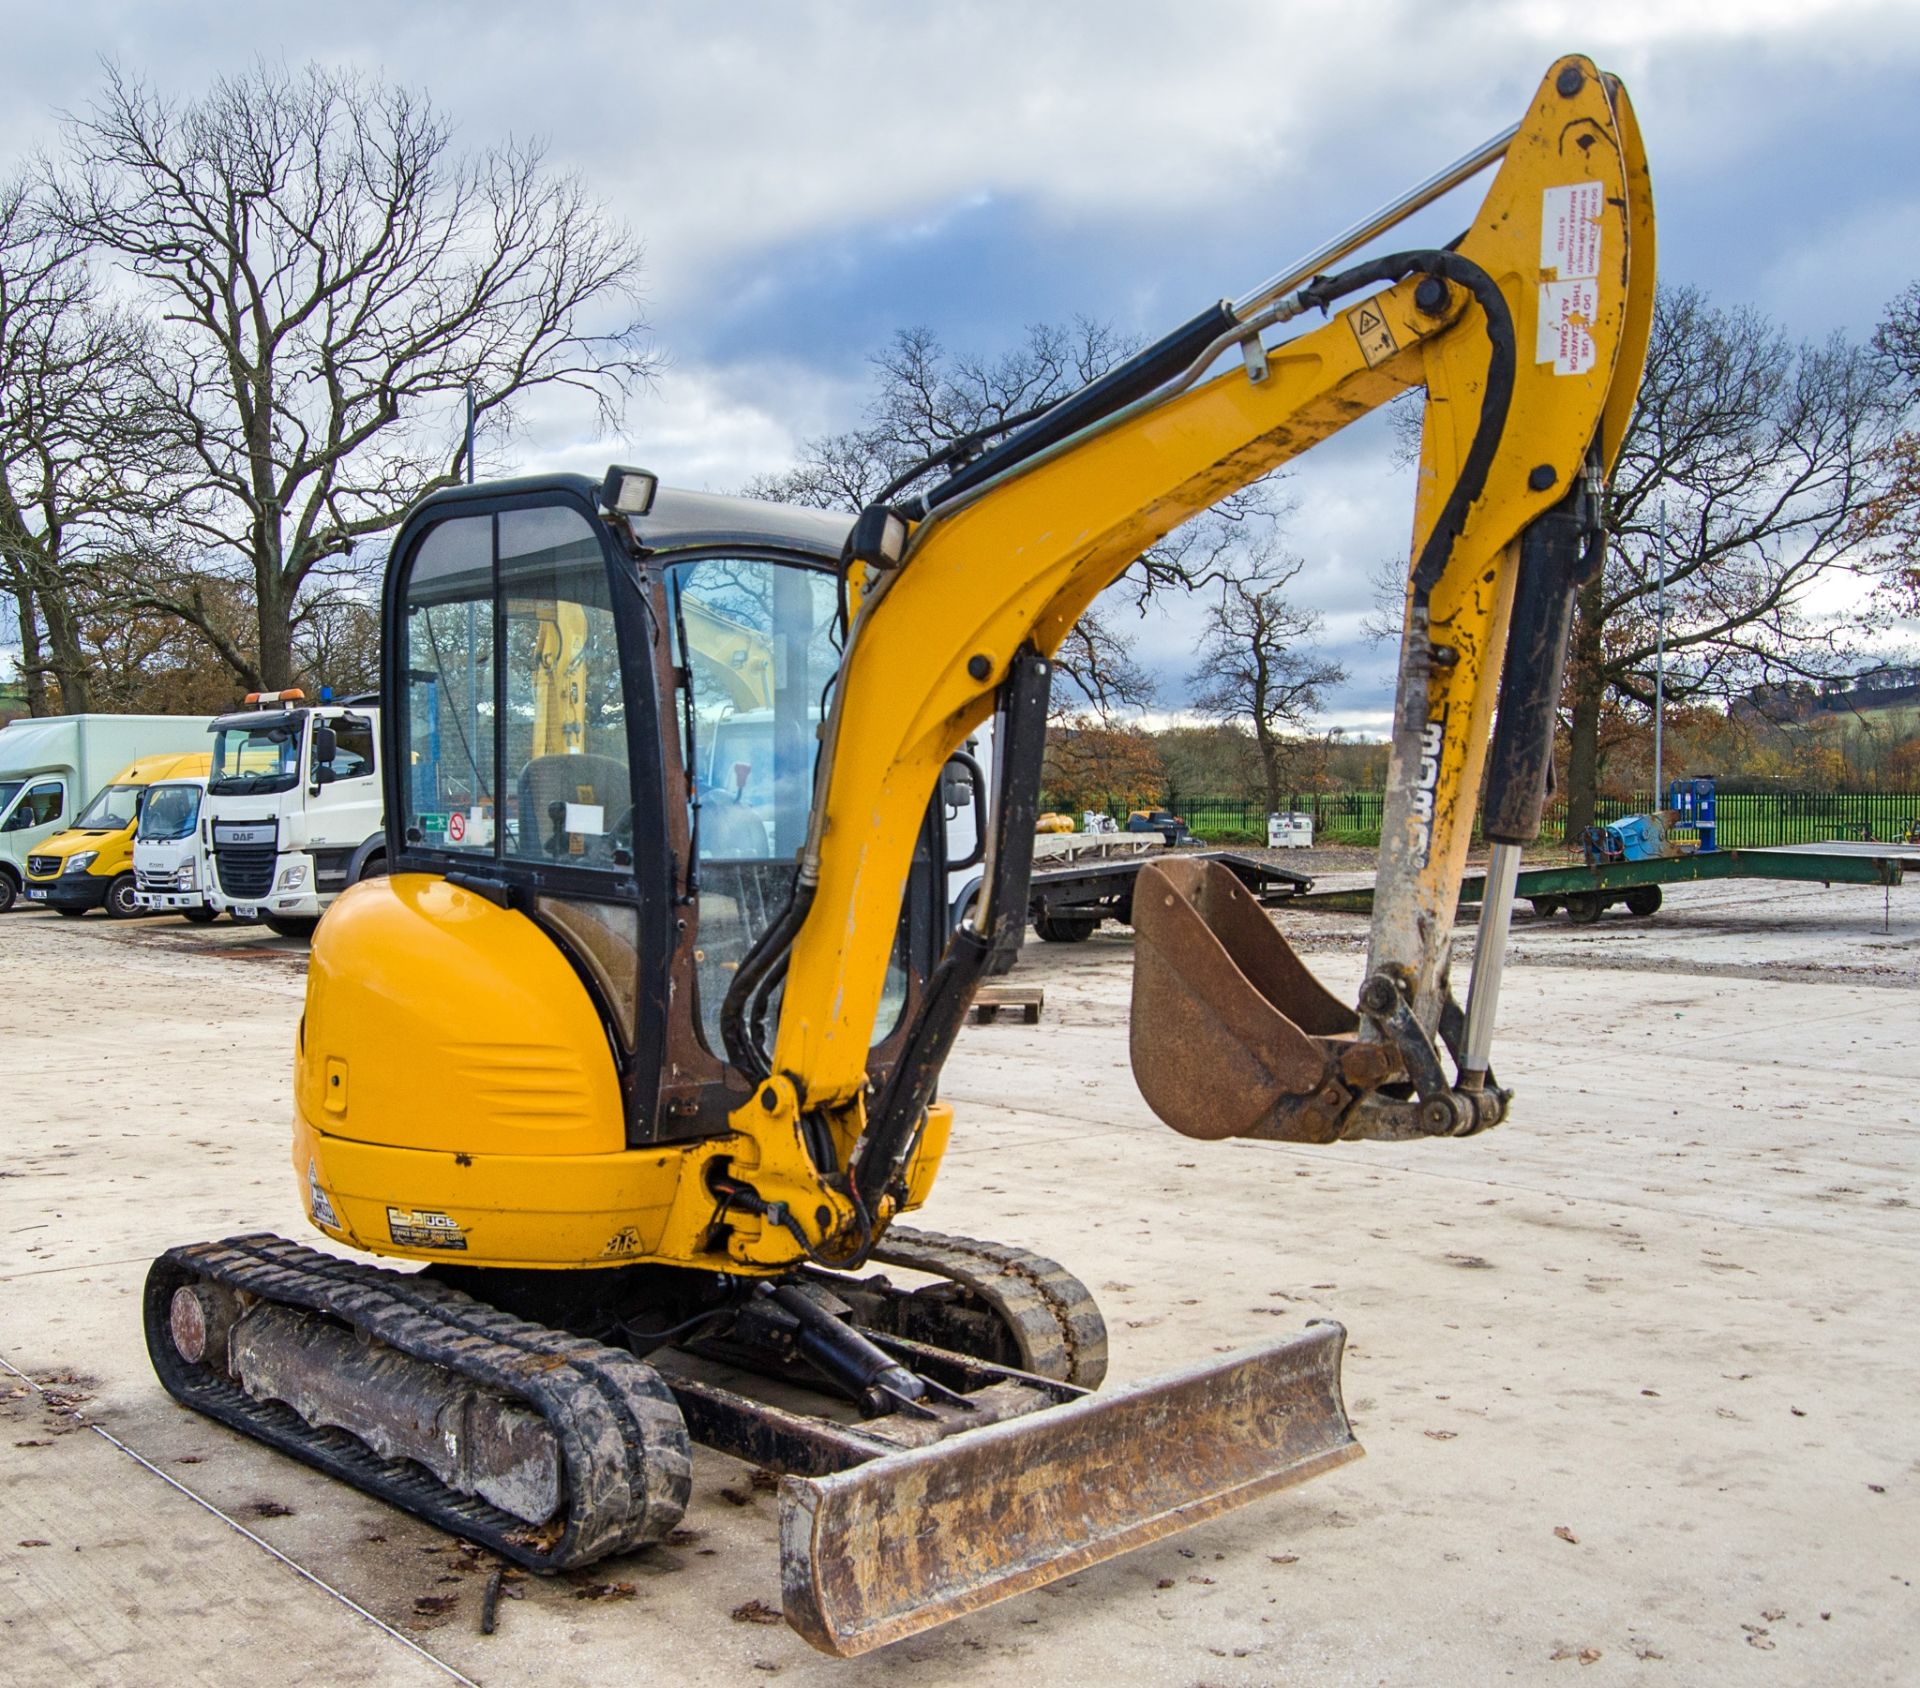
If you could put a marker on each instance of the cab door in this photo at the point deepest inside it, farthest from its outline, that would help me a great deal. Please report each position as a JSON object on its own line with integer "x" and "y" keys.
{"x": 521, "y": 758}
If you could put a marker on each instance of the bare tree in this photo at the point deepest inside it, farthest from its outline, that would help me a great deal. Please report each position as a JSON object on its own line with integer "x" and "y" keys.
{"x": 1259, "y": 664}
{"x": 1765, "y": 455}
{"x": 1894, "y": 518}
{"x": 85, "y": 462}
{"x": 329, "y": 276}
{"x": 931, "y": 410}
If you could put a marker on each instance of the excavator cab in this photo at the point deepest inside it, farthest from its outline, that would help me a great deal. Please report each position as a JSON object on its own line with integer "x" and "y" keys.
{"x": 563, "y": 667}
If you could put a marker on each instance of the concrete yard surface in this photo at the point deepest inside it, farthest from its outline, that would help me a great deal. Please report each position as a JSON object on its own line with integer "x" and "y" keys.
{"x": 1636, "y": 1372}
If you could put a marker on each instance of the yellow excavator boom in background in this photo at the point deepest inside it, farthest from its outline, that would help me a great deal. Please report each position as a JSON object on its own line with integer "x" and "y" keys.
{"x": 643, "y": 1071}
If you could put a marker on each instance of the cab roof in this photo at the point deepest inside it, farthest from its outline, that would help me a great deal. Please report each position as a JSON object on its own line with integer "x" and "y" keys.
{"x": 149, "y": 770}
{"x": 681, "y": 520}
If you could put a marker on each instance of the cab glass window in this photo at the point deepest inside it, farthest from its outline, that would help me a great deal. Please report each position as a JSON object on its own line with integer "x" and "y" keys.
{"x": 353, "y": 747}
{"x": 112, "y": 809}
{"x": 516, "y": 707}
{"x": 759, "y": 642}
{"x": 567, "y": 786}
{"x": 171, "y": 812}
{"x": 448, "y": 673}
{"x": 40, "y": 806}
{"x": 261, "y": 757}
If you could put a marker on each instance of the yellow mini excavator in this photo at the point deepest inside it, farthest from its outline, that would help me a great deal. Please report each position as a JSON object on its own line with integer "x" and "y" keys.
{"x": 636, "y": 1051}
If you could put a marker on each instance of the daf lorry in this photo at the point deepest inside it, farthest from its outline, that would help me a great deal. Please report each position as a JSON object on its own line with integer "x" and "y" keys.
{"x": 90, "y": 865}
{"x": 51, "y": 765}
{"x": 293, "y": 812}
{"x": 172, "y": 858}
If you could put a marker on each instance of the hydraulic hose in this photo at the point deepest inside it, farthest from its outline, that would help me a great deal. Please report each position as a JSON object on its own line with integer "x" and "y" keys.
{"x": 759, "y": 967}
{"x": 1120, "y": 386}
{"x": 1501, "y": 356}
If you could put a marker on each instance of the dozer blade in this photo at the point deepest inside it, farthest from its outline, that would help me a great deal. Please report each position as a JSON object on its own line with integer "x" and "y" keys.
{"x": 1228, "y": 1026}
{"x": 915, "y": 1539}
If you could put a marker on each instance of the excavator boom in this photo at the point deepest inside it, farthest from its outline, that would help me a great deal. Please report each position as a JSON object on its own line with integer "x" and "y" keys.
{"x": 1528, "y": 336}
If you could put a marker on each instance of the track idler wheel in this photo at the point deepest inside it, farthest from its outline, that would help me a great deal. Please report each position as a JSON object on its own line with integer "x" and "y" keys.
{"x": 1005, "y": 1305}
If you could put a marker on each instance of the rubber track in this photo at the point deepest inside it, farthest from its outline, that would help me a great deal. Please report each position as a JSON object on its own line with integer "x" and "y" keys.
{"x": 627, "y": 1468}
{"x": 1059, "y": 1329}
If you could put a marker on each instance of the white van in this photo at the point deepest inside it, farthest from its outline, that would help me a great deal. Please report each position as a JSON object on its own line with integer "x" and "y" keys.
{"x": 172, "y": 860}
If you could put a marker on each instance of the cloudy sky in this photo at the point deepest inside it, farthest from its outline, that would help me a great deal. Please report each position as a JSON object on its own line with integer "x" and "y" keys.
{"x": 808, "y": 178}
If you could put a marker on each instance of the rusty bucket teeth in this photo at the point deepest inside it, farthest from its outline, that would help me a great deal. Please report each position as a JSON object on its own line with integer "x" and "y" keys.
{"x": 1231, "y": 1035}
{"x": 911, "y": 1540}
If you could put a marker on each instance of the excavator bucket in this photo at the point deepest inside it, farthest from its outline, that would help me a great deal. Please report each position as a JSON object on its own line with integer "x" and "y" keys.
{"x": 1231, "y": 1035}
{"x": 914, "y": 1539}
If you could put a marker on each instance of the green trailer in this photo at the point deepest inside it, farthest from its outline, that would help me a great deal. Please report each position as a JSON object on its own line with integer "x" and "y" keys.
{"x": 1585, "y": 893}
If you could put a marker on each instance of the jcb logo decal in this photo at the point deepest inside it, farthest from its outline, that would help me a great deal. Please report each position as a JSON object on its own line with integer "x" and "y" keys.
{"x": 1433, "y": 738}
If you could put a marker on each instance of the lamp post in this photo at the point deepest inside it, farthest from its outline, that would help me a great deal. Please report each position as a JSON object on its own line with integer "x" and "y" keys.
{"x": 473, "y": 655}
{"x": 1660, "y": 659}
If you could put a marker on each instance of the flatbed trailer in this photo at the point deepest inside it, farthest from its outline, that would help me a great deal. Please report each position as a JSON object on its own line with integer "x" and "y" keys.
{"x": 1585, "y": 893}
{"x": 1067, "y": 904}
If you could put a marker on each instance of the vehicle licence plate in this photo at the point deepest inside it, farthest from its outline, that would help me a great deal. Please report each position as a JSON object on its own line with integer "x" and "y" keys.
{"x": 246, "y": 911}
{"x": 36, "y": 896}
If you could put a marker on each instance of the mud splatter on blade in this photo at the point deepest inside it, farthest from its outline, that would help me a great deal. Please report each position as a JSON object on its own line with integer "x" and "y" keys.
{"x": 915, "y": 1539}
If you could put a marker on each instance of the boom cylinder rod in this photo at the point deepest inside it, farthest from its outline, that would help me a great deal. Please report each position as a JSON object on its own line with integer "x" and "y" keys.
{"x": 1369, "y": 228}
{"x": 1489, "y": 961}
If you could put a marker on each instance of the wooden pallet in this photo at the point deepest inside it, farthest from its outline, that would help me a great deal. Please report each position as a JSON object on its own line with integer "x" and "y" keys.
{"x": 1022, "y": 1001}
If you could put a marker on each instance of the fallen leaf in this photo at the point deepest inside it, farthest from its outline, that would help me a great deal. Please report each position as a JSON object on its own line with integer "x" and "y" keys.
{"x": 737, "y": 1497}
{"x": 1440, "y": 1435}
{"x": 764, "y": 1480}
{"x": 1653, "y": 1392}
{"x": 1566, "y": 1534}
{"x": 1471, "y": 1262}
{"x": 1797, "y": 1412}
{"x": 1878, "y": 1488}
{"x": 1207, "y": 1580}
{"x": 605, "y": 1591}
{"x": 33, "y": 1444}
{"x": 191, "y": 1459}
{"x": 35, "y": 1541}
{"x": 1164, "y": 1582}
{"x": 1773, "y": 1614}
{"x": 430, "y": 1604}
{"x": 682, "y": 1538}
{"x": 268, "y": 1509}
{"x": 1283, "y": 1558}
{"x": 756, "y": 1612}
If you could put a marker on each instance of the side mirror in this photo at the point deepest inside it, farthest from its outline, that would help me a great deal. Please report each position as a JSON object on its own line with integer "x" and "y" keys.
{"x": 956, "y": 790}
{"x": 325, "y": 742}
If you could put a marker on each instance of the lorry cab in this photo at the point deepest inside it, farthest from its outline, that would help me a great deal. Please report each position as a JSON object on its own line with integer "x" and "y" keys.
{"x": 293, "y": 813}
{"x": 90, "y": 865}
{"x": 172, "y": 861}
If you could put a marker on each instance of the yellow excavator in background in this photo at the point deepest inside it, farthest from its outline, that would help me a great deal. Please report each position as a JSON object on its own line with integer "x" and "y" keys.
{"x": 643, "y": 1072}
